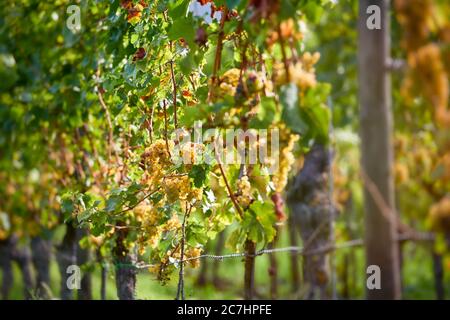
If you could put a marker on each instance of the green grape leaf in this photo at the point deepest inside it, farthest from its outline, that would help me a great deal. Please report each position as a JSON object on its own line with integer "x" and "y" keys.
{"x": 199, "y": 174}
{"x": 182, "y": 28}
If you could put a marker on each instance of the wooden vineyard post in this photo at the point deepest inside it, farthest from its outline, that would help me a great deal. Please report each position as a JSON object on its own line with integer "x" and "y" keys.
{"x": 376, "y": 146}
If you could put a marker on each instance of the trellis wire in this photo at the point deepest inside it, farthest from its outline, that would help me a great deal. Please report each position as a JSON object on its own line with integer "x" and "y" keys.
{"x": 299, "y": 250}
{"x": 415, "y": 237}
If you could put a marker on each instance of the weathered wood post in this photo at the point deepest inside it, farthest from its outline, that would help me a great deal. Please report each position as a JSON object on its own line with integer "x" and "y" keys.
{"x": 376, "y": 145}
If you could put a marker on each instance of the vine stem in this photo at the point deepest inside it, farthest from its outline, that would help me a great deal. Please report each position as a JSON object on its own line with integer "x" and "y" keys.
{"x": 109, "y": 122}
{"x": 227, "y": 184}
{"x": 283, "y": 53}
{"x": 273, "y": 268}
{"x": 165, "y": 127}
{"x": 249, "y": 277}
{"x": 150, "y": 127}
{"x": 180, "y": 290}
{"x": 174, "y": 86}
{"x": 148, "y": 195}
{"x": 216, "y": 67}
{"x": 218, "y": 56}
